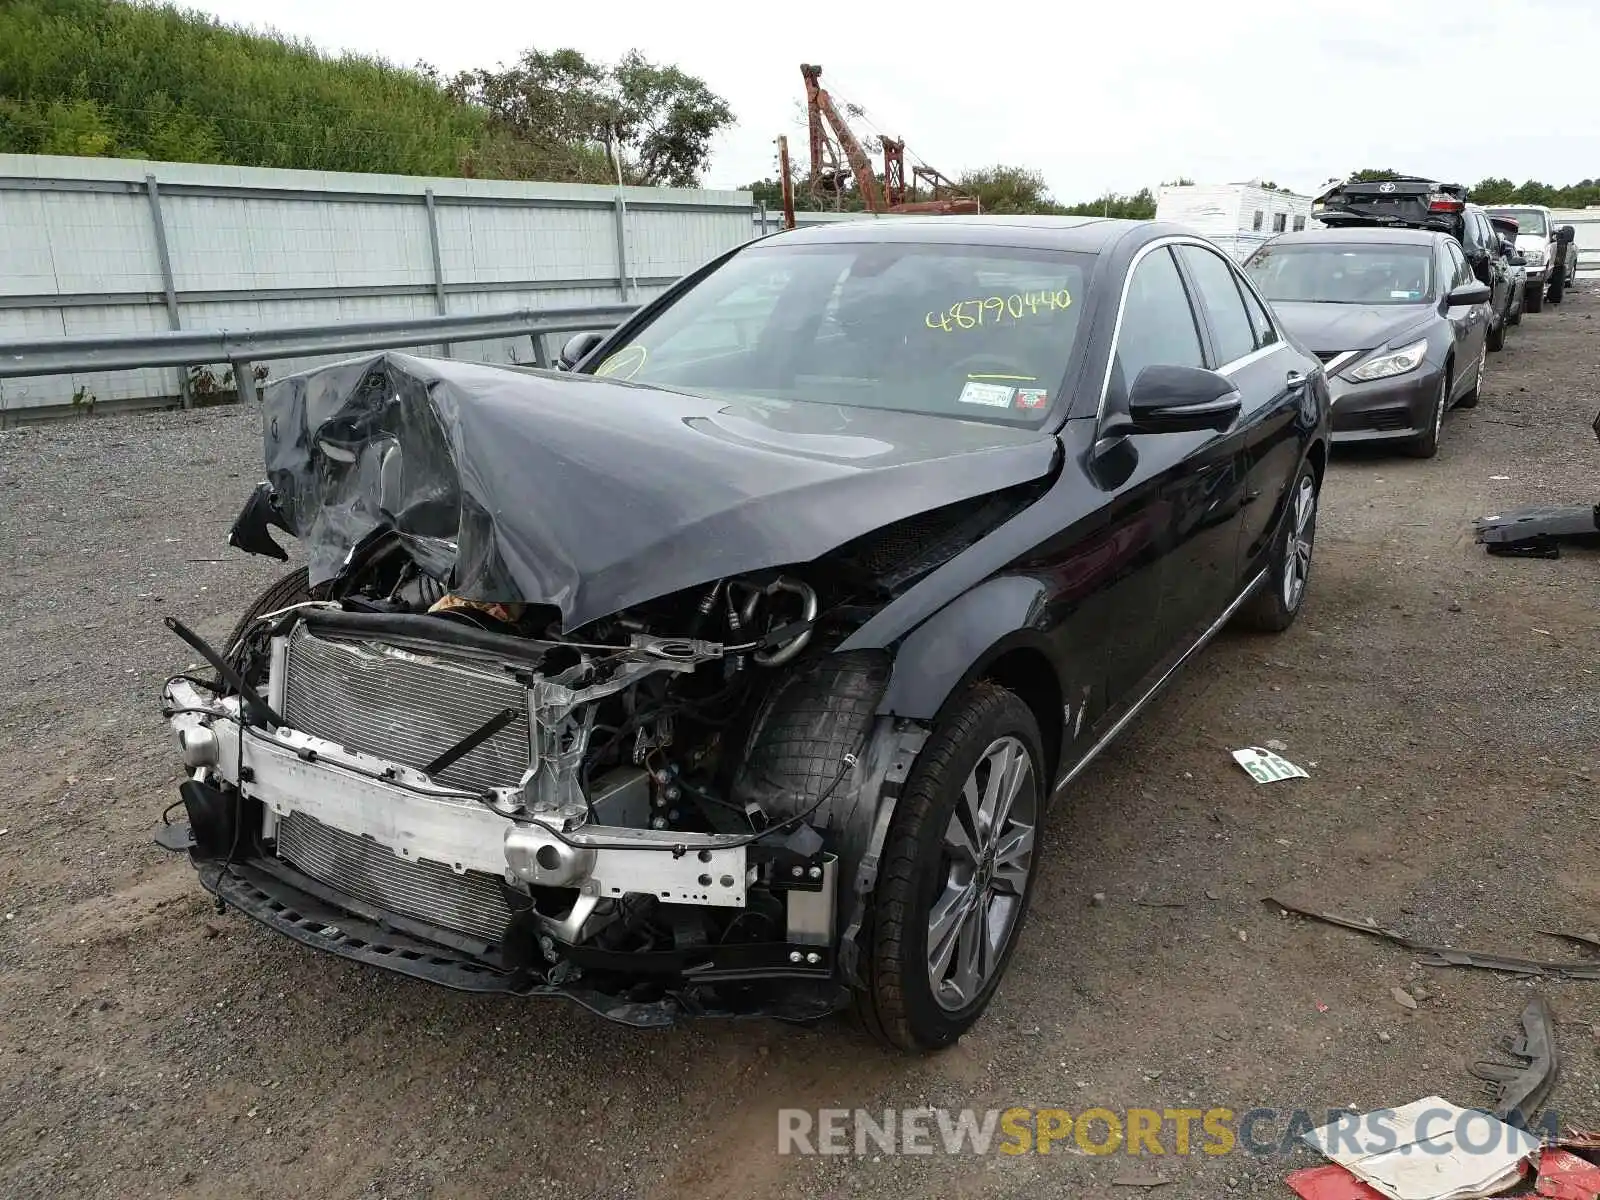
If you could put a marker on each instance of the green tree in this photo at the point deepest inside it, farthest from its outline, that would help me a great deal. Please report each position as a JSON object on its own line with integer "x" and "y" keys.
{"x": 659, "y": 119}
{"x": 1141, "y": 206}
{"x": 1370, "y": 175}
{"x": 1008, "y": 189}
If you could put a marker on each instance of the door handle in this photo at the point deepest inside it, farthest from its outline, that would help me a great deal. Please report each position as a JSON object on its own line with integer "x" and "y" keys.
{"x": 1295, "y": 379}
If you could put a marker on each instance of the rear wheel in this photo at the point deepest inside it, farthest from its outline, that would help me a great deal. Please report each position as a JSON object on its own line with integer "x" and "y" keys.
{"x": 956, "y": 876}
{"x": 1274, "y": 608}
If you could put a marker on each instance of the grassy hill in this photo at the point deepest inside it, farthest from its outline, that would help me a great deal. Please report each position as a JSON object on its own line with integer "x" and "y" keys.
{"x": 103, "y": 78}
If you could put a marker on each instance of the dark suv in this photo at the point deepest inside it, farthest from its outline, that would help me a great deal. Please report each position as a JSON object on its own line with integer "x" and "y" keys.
{"x": 1416, "y": 203}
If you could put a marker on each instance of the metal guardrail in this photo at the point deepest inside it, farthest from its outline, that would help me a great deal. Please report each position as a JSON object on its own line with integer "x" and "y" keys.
{"x": 243, "y": 348}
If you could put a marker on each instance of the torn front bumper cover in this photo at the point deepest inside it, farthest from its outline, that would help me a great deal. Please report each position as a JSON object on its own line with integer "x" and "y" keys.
{"x": 390, "y": 825}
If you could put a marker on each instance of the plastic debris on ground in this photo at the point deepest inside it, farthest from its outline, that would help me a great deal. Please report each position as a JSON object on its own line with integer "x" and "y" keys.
{"x": 1520, "y": 1086}
{"x": 1427, "y": 1150}
{"x": 1330, "y": 1183}
{"x": 1266, "y": 767}
{"x": 1564, "y": 1176}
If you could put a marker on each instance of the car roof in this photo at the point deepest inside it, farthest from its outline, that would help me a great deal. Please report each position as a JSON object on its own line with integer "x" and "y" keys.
{"x": 1083, "y": 234}
{"x": 1383, "y": 235}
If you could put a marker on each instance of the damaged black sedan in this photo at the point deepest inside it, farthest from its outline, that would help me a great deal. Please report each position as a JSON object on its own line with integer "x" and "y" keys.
{"x": 730, "y": 670}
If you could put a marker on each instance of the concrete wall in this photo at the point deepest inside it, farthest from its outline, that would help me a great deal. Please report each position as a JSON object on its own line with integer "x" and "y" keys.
{"x": 92, "y": 245}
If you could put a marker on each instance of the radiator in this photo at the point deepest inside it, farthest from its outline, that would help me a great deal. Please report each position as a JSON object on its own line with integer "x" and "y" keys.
{"x": 472, "y": 903}
{"x": 409, "y": 709}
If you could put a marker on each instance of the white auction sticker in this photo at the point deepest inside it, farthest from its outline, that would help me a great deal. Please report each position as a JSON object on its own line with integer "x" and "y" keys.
{"x": 991, "y": 395}
{"x": 1266, "y": 767}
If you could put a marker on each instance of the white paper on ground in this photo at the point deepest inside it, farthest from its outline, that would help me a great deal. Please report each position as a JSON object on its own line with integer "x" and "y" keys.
{"x": 1428, "y": 1150}
{"x": 1265, "y": 766}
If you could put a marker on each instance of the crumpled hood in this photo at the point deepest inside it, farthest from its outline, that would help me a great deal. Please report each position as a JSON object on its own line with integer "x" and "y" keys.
{"x": 1335, "y": 328}
{"x": 592, "y": 494}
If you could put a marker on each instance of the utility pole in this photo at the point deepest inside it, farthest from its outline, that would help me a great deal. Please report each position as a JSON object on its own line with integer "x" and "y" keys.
{"x": 785, "y": 182}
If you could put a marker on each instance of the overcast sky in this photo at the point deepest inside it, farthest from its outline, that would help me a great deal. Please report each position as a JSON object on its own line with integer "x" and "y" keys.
{"x": 1118, "y": 96}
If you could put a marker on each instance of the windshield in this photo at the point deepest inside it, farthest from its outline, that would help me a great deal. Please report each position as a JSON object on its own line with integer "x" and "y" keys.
{"x": 985, "y": 332}
{"x": 1344, "y": 274}
{"x": 1528, "y": 220}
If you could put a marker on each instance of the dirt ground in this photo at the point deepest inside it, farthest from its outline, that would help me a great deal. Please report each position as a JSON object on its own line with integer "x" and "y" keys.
{"x": 1446, "y": 704}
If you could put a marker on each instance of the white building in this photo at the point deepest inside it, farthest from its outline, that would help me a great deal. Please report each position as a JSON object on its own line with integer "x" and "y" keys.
{"x": 1236, "y": 216}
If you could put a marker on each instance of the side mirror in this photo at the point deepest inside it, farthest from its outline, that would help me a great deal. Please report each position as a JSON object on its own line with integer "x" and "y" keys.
{"x": 577, "y": 348}
{"x": 1519, "y": 260}
{"x": 1566, "y": 235}
{"x": 1182, "y": 400}
{"x": 1470, "y": 293}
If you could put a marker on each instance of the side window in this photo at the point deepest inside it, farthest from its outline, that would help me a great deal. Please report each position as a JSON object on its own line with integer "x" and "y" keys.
{"x": 1260, "y": 322}
{"x": 1458, "y": 263}
{"x": 1158, "y": 327}
{"x": 1230, "y": 324}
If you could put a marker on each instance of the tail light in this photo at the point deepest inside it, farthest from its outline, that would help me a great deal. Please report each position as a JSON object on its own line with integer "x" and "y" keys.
{"x": 1444, "y": 202}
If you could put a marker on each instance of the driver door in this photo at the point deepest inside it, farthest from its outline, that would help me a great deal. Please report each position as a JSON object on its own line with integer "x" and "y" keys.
{"x": 1181, "y": 490}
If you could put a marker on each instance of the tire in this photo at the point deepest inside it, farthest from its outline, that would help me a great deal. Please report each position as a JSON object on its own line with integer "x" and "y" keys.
{"x": 293, "y": 588}
{"x": 1426, "y": 443}
{"x": 923, "y": 870}
{"x": 1558, "y": 286}
{"x": 1496, "y": 340}
{"x": 1274, "y": 608}
{"x": 1533, "y": 299}
{"x": 1515, "y": 316}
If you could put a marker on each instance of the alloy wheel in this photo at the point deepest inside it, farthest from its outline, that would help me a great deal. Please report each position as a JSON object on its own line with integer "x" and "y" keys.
{"x": 988, "y": 852}
{"x": 1444, "y": 403}
{"x": 1302, "y": 533}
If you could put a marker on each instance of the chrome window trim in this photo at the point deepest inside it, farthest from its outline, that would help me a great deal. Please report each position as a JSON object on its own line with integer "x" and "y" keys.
{"x": 1122, "y": 306}
{"x": 1244, "y": 360}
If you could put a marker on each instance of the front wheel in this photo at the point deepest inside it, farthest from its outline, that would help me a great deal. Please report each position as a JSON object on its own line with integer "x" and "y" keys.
{"x": 956, "y": 875}
{"x": 1533, "y": 298}
{"x": 1274, "y": 608}
{"x": 1558, "y": 286}
{"x": 1496, "y": 340}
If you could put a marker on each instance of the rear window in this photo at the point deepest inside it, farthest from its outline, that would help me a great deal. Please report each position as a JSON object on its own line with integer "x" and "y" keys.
{"x": 1344, "y": 273}
{"x": 980, "y": 332}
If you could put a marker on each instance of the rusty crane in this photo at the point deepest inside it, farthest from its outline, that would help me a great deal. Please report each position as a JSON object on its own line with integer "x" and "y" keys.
{"x": 831, "y": 139}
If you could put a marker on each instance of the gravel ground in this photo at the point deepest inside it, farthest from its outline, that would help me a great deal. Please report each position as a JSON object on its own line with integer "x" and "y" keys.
{"x": 1446, "y": 704}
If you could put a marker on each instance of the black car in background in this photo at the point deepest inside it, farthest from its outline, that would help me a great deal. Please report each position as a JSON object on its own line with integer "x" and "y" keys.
{"x": 732, "y": 669}
{"x": 1396, "y": 315}
{"x": 1415, "y": 203}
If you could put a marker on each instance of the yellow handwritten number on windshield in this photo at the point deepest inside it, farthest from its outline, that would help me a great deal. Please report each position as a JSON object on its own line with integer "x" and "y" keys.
{"x": 996, "y": 310}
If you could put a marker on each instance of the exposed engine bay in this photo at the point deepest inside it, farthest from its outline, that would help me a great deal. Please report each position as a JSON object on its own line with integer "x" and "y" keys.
{"x": 427, "y": 752}
{"x": 567, "y": 791}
